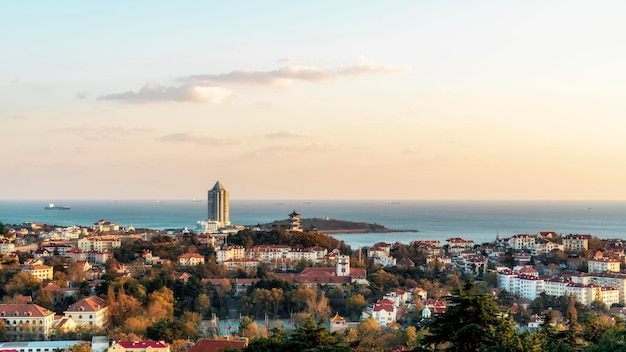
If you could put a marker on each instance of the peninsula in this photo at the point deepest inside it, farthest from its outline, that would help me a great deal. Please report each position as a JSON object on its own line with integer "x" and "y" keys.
{"x": 336, "y": 226}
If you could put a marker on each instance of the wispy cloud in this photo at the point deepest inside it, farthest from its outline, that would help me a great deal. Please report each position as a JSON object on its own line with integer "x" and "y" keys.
{"x": 199, "y": 138}
{"x": 208, "y": 88}
{"x": 102, "y": 132}
{"x": 153, "y": 92}
{"x": 280, "y": 150}
{"x": 287, "y": 134}
{"x": 287, "y": 75}
{"x": 82, "y": 95}
{"x": 289, "y": 59}
{"x": 410, "y": 152}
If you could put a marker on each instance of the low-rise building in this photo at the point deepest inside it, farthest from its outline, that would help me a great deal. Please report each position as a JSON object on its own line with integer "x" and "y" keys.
{"x": 600, "y": 265}
{"x": 30, "y": 320}
{"x": 190, "y": 259}
{"x": 140, "y": 346}
{"x": 88, "y": 311}
{"x": 41, "y": 272}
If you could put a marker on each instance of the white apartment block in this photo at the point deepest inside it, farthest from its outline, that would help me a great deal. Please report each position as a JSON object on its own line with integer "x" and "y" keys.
{"x": 522, "y": 241}
{"x": 7, "y": 247}
{"x": 27, "y": 319}
{"x": 576, "y": 242}
{"x": 230, "y": 252}
{"x": 99, "y": 243}
{"x": 379, "y": 249}
{"x": 88, "y": 311}
{"x": 506, "y": 280}
{"x": 41, "y": 272}
{"x": 528, "y": 286}
{"x": 600, "y": 265}
{"x": 243, "y": 263}
{"x": 545, "y": 247}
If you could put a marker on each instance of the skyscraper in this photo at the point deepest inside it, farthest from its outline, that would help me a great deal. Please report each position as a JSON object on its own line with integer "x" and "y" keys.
{"x": 218, "y": 204}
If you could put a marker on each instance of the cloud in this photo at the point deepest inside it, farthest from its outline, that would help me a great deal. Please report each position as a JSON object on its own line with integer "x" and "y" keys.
{"x": 153, "y": 92}
{"x": 287, "y": 134}
{"x": 368, "y": 66}
{"x": 280, "y": 77}
{"x": 289, "y": 60}
{"x": 410, "y": 152}
{"x": 20, "y": 117}
{"x": 102, "y": 132}
{"x": 280, "y": 150}
{"x": 82, "y": 95}
{"x": 287, "y": 75}
{"x": 198, "y": 138}
{"x": 208, "y": 88}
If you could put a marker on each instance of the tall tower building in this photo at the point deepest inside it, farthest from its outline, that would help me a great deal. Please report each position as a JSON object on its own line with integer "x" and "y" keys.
{"x": 218, "y": 204}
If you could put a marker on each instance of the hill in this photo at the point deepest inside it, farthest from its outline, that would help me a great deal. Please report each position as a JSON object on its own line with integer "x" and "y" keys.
{"x": 335, "y": 226}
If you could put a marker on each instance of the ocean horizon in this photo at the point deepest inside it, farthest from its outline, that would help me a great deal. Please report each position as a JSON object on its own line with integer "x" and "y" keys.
{"x": 480, "y": 220}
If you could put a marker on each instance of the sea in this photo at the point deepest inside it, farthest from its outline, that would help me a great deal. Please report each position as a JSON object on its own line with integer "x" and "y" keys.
{"x": 480, "y": 221}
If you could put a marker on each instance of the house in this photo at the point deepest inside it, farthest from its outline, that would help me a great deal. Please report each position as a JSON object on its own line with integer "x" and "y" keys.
{"x": 140, "y": 346}
{"x": 105, "y": 226}
{"x": 88, "y": 311}
{"x": 384, "y": 312}
{"x": 576, "y": 243}
{"x": 41, "y": 272}
{"x": 190, "y": 259}
{"x": 27, "y": 320}
{"x": 219, "y": 345}
{"x": 341, "y": 274}
{"x": 59, "y": 294}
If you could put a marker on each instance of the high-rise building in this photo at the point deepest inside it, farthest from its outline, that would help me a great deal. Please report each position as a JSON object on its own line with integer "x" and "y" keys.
{"x": 218, "y": 204}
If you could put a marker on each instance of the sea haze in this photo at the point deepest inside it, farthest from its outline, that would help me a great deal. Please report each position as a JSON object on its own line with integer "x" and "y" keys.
{"x": 477, "y": 220}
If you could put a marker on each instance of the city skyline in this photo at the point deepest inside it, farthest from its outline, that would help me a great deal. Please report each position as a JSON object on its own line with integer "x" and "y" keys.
{"x": 495, "y": 100}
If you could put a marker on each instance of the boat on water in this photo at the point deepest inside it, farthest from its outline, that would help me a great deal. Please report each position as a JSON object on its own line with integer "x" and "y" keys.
{"x": 51, "y": 206}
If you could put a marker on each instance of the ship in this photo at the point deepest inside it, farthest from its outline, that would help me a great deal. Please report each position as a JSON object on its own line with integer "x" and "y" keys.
{"x": 51, "y": 206}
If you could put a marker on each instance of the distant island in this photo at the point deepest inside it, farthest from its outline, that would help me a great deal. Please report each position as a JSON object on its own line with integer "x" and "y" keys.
{"x": 336, "y": 226}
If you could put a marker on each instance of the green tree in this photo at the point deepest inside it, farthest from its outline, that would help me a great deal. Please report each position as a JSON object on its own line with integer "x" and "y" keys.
{"x": 471, "y": 322}
{"x": 314, "y": 337}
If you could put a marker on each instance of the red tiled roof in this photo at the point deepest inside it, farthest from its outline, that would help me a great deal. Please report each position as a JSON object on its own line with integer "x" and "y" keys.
{"x": 87, "y": 304}
{"x": 211, "y": 345}
{"x": 142, "y": 344}
{"x": 23, "y": 310}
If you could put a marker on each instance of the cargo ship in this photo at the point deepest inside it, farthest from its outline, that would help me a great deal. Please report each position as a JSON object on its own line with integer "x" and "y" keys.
{"x": 51, "y": 206}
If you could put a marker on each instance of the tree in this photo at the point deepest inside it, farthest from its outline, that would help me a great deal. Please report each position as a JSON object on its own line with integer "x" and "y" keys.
{"x": 471, "y": 322}
{"x": 355, "y": 305}
{"x": 313, "y": 336}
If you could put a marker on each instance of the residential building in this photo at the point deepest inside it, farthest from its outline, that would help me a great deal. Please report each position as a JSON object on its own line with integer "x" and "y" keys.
{"x": 230, "y": 252}
{"x": 88, "y": 311}
{"x": 522, "y": 241}
{"x": 230, "y": 343}
{"x": 41, "y": 272}
{"x": 576, "y": 243}
{"x": 27, "y": 320}
{"x": 99, "y": 243}
{"x": 384, "y": 312}
{"x": 140, "y": 346}
{"x": 190, "y": 259}
{"x": 600, "y": 265}
{"x": 105, "y": 226}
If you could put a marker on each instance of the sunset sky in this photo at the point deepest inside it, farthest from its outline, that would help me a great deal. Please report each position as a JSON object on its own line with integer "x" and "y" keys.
{"x": 313, "y": 99}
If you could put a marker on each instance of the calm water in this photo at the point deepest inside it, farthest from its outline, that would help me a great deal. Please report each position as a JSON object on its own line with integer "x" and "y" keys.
{"x": 477, "y": 220}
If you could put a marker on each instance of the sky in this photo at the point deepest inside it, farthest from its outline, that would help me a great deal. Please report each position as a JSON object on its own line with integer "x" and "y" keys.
{"x": 398, "y": 100}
